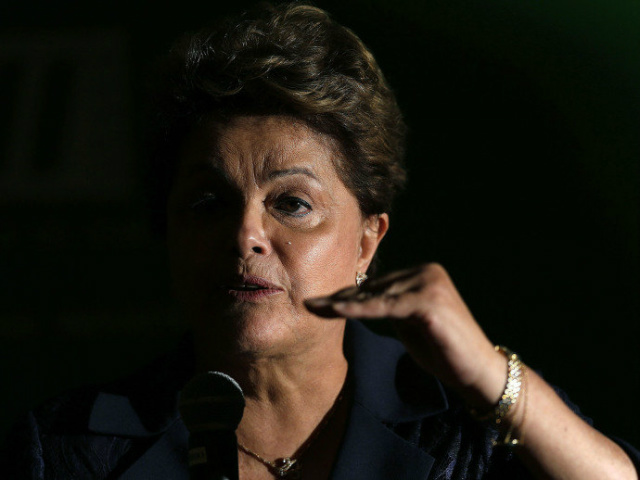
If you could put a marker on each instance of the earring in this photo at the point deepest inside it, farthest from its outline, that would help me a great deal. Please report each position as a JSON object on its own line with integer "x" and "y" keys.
{"x": 360, "y": 278}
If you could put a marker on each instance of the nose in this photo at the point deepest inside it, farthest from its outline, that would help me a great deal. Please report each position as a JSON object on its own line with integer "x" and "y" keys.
{"x": 251, "y": 234}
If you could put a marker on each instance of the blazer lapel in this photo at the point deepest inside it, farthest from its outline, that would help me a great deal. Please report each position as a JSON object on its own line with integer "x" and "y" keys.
{"x": 389, "y": 388}
{"x": 371, "y": 451}
{"x": 114, "y": 415}
{"x": 165, "y": 459}
{"x": 164, "y": 455}
{"x": 144, "y": 409}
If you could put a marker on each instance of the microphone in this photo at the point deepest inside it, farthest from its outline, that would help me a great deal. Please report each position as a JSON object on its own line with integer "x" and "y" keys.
{"x": 211, "y": 406}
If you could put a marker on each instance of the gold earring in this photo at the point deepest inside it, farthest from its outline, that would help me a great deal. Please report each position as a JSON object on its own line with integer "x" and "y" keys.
{"x": 360, "y": 278}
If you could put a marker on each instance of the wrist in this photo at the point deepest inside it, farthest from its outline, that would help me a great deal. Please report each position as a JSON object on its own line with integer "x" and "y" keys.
{"x": 488, "y": 388}
{"x": 502, "y": 414}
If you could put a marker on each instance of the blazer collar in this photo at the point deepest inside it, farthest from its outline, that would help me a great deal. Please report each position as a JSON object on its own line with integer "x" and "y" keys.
{"x": 387, "y": 382}
{"x": 389, "y": 388}
{"x": 146, "y": 403}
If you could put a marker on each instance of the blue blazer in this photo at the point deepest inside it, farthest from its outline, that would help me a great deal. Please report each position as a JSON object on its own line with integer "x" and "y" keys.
{"x": 402, "y": 425}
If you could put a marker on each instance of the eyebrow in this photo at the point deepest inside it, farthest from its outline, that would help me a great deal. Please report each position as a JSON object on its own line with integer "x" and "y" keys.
{"x": 213, "y": 169}
{"x": 293, "y": 171}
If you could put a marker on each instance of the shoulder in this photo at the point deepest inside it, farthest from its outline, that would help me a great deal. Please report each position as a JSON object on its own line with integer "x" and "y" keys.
{"x": 416, "y": 407}
{"x": 53, "y": 441}
{"x": 89, "y": 432}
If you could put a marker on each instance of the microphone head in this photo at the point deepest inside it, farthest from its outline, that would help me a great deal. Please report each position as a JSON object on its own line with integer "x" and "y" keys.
{"x": 211, "y": 401}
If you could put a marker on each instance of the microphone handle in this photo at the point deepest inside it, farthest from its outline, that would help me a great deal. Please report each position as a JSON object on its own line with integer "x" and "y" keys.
{"x": 213, "y": 455}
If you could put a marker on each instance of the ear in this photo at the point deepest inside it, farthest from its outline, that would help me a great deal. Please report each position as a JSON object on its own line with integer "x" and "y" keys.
{"x": 375, "y": 227}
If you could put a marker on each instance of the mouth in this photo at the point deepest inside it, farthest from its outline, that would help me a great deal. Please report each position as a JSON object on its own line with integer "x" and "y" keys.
{"x": 251, "y": 288}
{"x": 245, "y": 288}
{"x": 250, "y": 283}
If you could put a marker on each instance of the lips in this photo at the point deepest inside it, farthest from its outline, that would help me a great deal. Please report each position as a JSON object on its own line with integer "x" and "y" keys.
{"x": 251, "y": 288}
{"x": 251, "y": 282}
{"x": 247, "y": 288}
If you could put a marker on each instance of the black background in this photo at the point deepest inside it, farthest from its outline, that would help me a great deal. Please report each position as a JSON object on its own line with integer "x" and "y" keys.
{"x": 523, "y": 160}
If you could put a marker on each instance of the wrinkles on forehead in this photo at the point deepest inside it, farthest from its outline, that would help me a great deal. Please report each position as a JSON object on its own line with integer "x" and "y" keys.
{"x": 297, "y": 149}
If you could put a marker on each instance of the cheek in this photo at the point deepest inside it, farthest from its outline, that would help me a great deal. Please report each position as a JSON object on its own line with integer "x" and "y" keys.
{"x": 322, "y": 262}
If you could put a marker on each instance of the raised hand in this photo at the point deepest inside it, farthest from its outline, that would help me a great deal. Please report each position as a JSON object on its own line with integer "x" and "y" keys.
{"x": 442, "y": 336}
{"x": 434, "y": 324}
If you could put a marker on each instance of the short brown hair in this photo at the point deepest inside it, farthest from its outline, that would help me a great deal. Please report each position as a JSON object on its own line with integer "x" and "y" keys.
{"x": 289, "y": 59}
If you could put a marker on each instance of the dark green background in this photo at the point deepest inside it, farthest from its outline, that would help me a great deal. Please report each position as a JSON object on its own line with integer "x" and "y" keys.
{"x": 523, "y": 157}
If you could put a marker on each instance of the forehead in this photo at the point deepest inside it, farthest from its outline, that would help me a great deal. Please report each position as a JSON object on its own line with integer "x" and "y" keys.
{"x": 261, "y": 144}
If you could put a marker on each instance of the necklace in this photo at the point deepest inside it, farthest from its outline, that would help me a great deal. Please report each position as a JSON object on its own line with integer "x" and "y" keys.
{"x": 289, "y": 467}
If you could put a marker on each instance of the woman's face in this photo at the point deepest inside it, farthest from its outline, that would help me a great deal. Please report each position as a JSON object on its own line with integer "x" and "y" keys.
{"x": 259, "y": 221}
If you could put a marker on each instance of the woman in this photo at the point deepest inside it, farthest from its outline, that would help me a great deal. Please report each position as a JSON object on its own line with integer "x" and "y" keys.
{"x": 280, "y": 151}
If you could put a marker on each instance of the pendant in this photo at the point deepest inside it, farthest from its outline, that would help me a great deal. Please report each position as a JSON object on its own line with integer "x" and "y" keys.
{"x": 287, "y": 468}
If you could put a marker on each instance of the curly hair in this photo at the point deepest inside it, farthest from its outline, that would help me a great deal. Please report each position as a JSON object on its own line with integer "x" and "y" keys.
{"x": 288, "y": 59}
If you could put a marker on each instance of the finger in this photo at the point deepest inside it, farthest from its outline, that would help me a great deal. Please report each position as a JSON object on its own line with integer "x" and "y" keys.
{"x": 322, "y": 308}
{"x": 380, "y": 306}
{"x": 325, "y": 306}
{"x": 400, "y": 278}
{"x": 393, "y": 284}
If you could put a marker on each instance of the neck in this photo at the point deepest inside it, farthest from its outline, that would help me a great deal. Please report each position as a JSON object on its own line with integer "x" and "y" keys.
{"x": 287, "y": 396}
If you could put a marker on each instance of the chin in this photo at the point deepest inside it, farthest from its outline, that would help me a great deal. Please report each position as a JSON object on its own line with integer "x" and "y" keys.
{"x": 253, "y": 331}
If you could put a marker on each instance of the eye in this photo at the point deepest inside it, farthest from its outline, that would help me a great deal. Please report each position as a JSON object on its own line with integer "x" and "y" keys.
{"x": 206, "y": 203}
{"x": 293, "y": 206}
